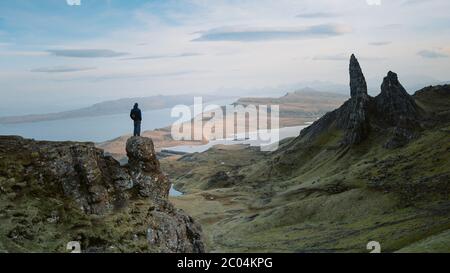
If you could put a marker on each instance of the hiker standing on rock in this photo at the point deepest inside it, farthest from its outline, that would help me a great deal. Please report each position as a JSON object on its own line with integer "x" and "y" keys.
{"x": 136, "y": 116}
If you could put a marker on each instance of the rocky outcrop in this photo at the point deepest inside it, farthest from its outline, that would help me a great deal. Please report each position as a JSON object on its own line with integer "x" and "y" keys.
{"x": 223, "y": 179}
{"x": 393, "y": 111}
{"x": 394, "y": 103}
{"x": 354, "y": 119}
{"x": 96, "y": 188}
{"x": 397, "y": 109}
{"x": 400, "y": 136}
{"x": 145, "y": 170}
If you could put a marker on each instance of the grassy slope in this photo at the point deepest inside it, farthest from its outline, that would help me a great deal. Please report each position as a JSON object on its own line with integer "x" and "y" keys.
{"x": 325, "y": 199}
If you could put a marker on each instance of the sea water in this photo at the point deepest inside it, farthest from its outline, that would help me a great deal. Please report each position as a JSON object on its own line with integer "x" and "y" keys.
{"x": 93, "y": 129}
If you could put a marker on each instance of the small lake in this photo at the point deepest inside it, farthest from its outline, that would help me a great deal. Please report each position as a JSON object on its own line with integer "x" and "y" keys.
{"x": 174, "y": 193}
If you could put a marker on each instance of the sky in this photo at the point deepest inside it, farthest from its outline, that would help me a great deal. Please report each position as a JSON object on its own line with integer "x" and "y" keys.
{"x": 56, "y": 55}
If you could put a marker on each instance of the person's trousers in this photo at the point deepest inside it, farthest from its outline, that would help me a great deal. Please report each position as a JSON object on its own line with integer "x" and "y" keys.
{"x": 137, "y": 128}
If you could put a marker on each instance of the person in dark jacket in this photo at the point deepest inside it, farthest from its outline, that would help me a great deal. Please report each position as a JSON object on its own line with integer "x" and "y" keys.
{"x": 136, "y": 116}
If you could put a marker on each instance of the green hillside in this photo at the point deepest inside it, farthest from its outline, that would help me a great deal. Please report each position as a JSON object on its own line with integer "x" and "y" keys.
{"x": 376, "y": 169}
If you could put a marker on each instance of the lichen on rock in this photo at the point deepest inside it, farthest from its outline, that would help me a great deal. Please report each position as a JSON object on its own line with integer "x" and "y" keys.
{"x": 145, "y": 169}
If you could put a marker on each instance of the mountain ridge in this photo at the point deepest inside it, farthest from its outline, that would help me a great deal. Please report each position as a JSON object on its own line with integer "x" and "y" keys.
{"x": 111, "y": 107}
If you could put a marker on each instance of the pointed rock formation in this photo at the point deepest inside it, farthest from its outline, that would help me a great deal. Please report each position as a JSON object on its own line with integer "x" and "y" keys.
{"x": 353, "y": 117}
{"x": 394, "y": 103}
{"x": 395, "y": 107}
{"x": 358, "y": 85}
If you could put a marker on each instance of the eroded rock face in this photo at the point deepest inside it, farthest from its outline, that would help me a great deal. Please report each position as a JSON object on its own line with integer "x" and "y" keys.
{"x": 145, "y": 170}
{"x": 166, "y": 232}
{"x": 81, "y": 170}
{"x": 140, "y": 151}
{"x": 395, "y": 107}
{"x": 354, "y": 118}
{"x": 394, "y": 102}
{"x": 127, "y": 207}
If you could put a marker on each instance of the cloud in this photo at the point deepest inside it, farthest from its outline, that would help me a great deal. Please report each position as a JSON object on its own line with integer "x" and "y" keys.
{"x": 432, "y": 54}
{"x": 251, "y": 34}
{"x": 133, "y": 76}
{"x": 381, "y": 43}
{"x": 343, "y": 57}
{"x": 144, "y": 76}
{"x": 390, "y": 27}
{"x": 13, "y": 53}
{"x": 310, "y": 15}
{"x": 337, "y": 57}
{"x": 61, "y": 69}
{"x": 413, "y": 2}
{"x": 86, "y": 53}
{"x": 154, "y": 57}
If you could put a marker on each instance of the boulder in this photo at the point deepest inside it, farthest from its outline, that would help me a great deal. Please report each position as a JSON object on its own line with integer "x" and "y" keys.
{"x": 145, "y": 168}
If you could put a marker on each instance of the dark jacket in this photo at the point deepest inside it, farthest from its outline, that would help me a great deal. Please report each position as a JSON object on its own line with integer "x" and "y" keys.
{"x": 136, "y": 114}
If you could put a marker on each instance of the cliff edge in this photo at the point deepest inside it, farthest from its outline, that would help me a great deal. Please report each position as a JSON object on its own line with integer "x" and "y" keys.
{"x": 52, "y": 193}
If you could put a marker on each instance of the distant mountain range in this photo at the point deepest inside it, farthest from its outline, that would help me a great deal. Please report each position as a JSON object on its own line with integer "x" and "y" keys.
{"x": 411, "y": 83}
{"x": 303, "y": 105}
{"x": 111, "y": 107}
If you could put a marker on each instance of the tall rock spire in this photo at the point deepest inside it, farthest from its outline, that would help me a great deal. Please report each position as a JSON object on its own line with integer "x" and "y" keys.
{"x": 358, "y": 85}
{"x": 354, "y": 116}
